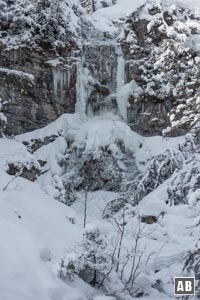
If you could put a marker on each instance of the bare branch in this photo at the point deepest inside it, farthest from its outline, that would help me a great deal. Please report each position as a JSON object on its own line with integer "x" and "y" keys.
{"x": 6, "y": 186}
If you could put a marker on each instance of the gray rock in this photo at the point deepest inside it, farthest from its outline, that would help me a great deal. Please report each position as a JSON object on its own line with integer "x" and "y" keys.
{"x": 32, "y": 104}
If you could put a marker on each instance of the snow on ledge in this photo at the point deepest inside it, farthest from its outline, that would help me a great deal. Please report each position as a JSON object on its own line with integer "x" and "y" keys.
{"x": 57, "y": 128}
{"x": 12, "y": 152}
{"x": 17, "y": 73}
{"x": 54, "y": 62}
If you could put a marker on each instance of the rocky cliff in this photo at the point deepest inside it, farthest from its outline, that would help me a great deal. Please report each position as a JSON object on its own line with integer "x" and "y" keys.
{"x": 146, "y": 69}
{"x": 37, "y": 59}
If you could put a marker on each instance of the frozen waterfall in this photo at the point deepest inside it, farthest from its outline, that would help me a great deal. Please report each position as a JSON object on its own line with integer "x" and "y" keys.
{"x": 81, "y": 95}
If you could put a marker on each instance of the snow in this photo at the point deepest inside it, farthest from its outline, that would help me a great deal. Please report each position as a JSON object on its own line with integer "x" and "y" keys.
{"x": 39, "y": 227}
{"x": 90, "y": 228}
{"x": 104, "y": 298}
{"x": 56, "y": 128}
{"x": 104, "y": 19}
{"x": 194, "y": 197}
{"x": 151, "y": 208}
{"x": 35, "y": 232}
{"x": 3, "y": 117}
{"x": 12, "y": 152}
{"x": 95, "y": 204}
{"x": 52, "y": 154}
{"x": 108, "y": 19}
{"x": 30, "y": 231}
{"x": 27, "y": 15}
{"x": 93, "y": 134}
{"x": 123, "y": 94}
{"x": 17, "y": 73}
{"x": 99, "y": 132}
{"x": 54, "y": 62}
{"x": 197, "y": 60}
{"x": 191, "y": 4}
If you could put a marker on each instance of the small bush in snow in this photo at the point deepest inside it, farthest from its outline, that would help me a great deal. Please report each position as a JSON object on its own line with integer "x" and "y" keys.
{"x": 93, "y": 263}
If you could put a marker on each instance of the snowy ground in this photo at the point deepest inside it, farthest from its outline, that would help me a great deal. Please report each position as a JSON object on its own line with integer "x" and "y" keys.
{"x": 166, "y": 241}
{"x": 36, "y": 230}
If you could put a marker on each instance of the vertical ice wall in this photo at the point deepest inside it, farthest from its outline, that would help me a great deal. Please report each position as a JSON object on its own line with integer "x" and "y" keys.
{"x": 124, "y": 90}
{"x": 81, "y": 94}
{"x": 120, "y": 72}
{"x": 122, "y": 105}
{"x": 57, "y": 77}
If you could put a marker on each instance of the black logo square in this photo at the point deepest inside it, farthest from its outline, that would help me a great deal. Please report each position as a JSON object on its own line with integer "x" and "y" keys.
{"x": 184, "y": 286}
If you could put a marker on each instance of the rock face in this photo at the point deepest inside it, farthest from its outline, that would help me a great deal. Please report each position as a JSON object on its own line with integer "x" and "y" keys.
{"x": 38, "y": 93}
{"x": 157, "y": 54}
{"x": 164, "y": 66}
{"x": 148, "y": 74}
{"x": 37, "y": 67}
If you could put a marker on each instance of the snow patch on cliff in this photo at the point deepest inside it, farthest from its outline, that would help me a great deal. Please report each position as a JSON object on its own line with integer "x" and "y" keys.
{"x": 17, "y": 73}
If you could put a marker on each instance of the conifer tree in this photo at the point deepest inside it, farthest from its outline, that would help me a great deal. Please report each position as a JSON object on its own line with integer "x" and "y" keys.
{"x": 89, "y": 5}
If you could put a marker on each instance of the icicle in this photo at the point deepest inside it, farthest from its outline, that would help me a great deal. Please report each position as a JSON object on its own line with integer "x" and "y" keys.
{"x": 81, "y": 99}
{"x": 68, "y": 76}
{"x": 56, "y": 79}
{"x": 59, "y": 80}
{"x": 59, "y": 76}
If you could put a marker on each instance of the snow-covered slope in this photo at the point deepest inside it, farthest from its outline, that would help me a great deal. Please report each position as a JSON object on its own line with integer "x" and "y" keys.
{"x": 46, "y": 222}
{"x": 35, "y": 232}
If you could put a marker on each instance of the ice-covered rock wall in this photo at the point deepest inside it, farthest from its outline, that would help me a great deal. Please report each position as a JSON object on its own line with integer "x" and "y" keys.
{"x": 46, "y": 92}
{"x": 143, "y": 67}
{"x": 147, "y": 71}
